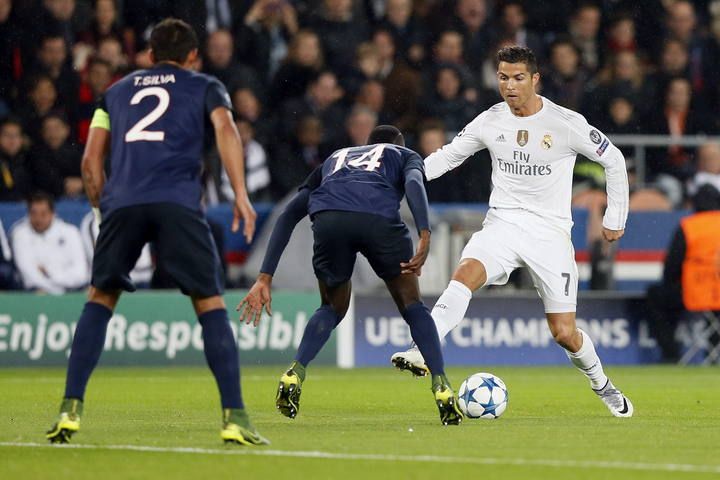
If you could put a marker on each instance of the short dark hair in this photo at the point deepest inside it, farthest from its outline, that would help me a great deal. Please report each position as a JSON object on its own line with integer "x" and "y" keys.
{"x": 386, "y": 134}
{"x": 11, "y": 120}
{"x": 518, "y": 54}
{"x": 172, "y": 40}
{"x": 41, "y": 197}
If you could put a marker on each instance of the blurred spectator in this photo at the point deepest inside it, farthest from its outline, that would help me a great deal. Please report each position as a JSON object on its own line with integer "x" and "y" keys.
{"x": 55, "y": 161}
{"x": 447, "y": 100}
{"x": 64, "y": 17}
{"x": 247, "y": 105}
{"x": 448, "y": 51}
{"x": 218, "y": 61}
{"x": 98, "y": 77}
{"x": 402, "y": 83}
{"x": 262, "y": 40}
{"x": 372, "y": 96}
{"x": 565, "y": 80}
{"x": 293, "y": 161}
{"x": 367, "y": 67}
{"x": 446, "y": 188}
{"x": 110, "y": 49}
{"x": 472, "y": 23}
{"x": 621, "y": 118}
{"x": 303, "y": 62}
{"x": 624, "y": 74}
{"x": 708, "y": 168}
{"x": 358, "y": 126}
{"x": 48, "y": 252}
{"x": 676, "y": 118}
{"x": 340, "y": 31}
{"x": 8, "y": 280}
{"x": 584, "y": 29}
{"x": 682, "y": 25}
{"x": 14, "y": 169}
{"x": 104, "y": 23}
{"x": 674, "y": 60}
{"x": 621, "y": 35}
{"x": 42, "y": 98}
{"x": 257, "y": 171}
{"x": 407, "y": 30}
{"x": 52, "y": 60}
{"x": 690, "y": 272}
{"x": 10, "y": 56}
{"x": 322, "y": 100}
{"x": 143, "y": 270}
{"x": 513, "y": 24}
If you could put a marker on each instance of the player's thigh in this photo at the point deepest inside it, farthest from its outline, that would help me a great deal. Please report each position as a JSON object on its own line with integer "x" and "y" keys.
{"x": 123, "y": 234}
{"x": 187, "y": 250}
{"x": 386, "y": 244}
{"x": 334, "y": 247}
{"x": 551, "y": 262}
{"x": 495, "y": 248}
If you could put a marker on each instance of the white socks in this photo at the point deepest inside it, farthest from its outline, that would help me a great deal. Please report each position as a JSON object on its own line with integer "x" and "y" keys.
{"x": 588, "y": 362}
{"x": 450, "y": 308}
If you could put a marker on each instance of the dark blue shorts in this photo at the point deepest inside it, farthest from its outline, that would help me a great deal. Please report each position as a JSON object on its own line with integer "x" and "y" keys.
{"x": 339, "y": 236}
{"x": 184, "y": 245}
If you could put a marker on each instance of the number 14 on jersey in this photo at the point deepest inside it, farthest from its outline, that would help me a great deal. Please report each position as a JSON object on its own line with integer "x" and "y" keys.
{"x": 370, "y": 160}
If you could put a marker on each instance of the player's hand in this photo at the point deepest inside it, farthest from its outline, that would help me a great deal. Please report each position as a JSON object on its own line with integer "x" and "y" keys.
{"x": 423, "y": 248}
{"x": 259, "y": 296}
{"x": 612, "y": 235}
{"x": 243, "y": 210}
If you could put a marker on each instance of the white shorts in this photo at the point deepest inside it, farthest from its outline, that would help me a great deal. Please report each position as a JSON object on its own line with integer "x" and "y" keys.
{"x": 515, "y": 238}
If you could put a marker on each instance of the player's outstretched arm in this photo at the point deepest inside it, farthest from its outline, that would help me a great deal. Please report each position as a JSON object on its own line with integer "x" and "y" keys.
{"x": 452, "y": 155}
{"x": 231, "y": 153}
{"x": 251, "y": 306}
{"x": 590, "y": 142}
{"x": 418, "y": 203}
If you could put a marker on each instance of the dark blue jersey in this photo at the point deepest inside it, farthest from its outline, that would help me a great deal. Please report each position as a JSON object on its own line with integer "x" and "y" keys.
{"x": 157, "y": 127}
{"x": 369, "y": 179}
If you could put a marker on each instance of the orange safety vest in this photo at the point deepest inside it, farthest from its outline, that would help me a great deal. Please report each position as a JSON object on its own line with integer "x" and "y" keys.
{"x": 701, "y": 266}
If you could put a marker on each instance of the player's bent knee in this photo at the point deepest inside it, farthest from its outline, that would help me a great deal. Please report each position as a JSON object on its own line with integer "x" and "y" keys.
{"x": 106, "y": 298}
{"x": 207, "y": 304}
{"x": 471, "y": 273}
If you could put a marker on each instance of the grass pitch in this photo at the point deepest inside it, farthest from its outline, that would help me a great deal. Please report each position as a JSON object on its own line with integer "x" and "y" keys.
{"x": 365, "y": 423}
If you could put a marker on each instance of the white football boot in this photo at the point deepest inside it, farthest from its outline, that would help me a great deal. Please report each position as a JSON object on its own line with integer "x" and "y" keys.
{"x": 412, "y": 361}
{"x": 618, "y": 404}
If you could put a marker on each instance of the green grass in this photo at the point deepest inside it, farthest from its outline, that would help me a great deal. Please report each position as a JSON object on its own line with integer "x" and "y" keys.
{"x": 552, "y": 416}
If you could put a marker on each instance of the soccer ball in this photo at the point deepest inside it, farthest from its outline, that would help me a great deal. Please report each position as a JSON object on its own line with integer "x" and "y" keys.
{"x": 483, "y": 395}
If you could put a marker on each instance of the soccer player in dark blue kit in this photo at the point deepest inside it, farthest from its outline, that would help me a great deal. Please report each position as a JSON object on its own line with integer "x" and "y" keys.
{"x": 353, "y": 200}
{"x": 152, "y": 123}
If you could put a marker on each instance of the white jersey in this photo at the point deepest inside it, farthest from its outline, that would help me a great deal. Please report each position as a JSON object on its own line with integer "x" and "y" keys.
{"x": 533, "y": 159}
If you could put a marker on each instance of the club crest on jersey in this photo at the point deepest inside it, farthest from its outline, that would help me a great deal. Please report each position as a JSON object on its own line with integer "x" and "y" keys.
{"x": 546, "y": 142}
{"x": 522, "y": 137}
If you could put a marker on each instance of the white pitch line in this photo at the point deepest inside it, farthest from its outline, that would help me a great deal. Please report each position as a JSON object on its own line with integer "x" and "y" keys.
{"x": 261, "y": 452}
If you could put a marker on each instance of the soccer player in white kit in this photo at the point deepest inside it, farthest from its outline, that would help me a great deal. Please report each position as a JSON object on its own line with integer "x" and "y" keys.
{"x": 533, "y": 144}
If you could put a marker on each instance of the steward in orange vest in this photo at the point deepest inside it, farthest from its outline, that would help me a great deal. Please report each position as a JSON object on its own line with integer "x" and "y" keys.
{"x": 691, "y": 274}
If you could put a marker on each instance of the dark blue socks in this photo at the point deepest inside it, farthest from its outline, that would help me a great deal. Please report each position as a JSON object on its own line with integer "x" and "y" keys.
{"x": 222, "y": 356}
{"x": 317, "y": 332}
{"x": 425, "y": 336}
{"x": 87, "y": 346}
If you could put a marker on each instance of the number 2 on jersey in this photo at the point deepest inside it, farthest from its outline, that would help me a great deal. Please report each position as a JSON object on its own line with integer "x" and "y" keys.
{"x": 137, "y": 132}
{"x": 370, "y": 159}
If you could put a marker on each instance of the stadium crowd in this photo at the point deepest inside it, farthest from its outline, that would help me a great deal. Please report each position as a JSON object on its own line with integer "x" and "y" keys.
{"x": 309, "y": 76}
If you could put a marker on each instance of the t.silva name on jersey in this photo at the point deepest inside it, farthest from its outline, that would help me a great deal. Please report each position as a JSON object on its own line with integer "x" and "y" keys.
{"x": 146, "y": 80}
{"x": 520, "y": 165}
